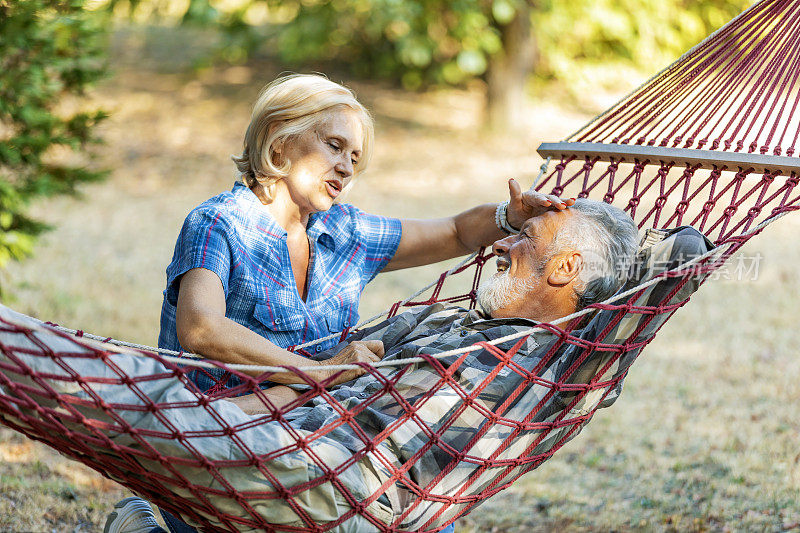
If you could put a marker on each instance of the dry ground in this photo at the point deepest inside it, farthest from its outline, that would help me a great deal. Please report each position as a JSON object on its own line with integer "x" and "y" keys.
{"x": 705, "y": 436}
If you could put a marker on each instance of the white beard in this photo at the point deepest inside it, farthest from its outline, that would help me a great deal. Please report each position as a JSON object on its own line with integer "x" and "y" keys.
{"x": 501, "y": 290}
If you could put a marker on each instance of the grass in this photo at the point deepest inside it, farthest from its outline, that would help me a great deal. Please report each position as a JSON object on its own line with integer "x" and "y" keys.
{"x": 704, "y": 438}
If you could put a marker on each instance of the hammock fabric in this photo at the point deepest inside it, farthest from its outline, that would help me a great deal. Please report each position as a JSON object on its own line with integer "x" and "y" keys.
{"x": 710, "y": 143}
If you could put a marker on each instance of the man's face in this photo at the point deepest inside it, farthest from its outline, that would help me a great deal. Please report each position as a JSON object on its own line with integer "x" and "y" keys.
{"x": 522, "y": 267}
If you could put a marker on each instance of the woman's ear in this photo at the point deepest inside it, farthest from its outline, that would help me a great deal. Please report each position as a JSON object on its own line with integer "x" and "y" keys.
{"x": 277, "y": 153}
{"x": 566, "y": 269}
{"x": 277, "y": 146}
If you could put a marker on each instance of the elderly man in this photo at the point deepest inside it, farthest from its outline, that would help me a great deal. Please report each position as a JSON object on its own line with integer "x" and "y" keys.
{"x": 403, "y": 454}
{"x": 559, "y": 263}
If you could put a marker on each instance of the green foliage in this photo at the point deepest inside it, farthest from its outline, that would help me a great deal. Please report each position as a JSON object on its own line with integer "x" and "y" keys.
{"x": 450, "y": 41}
{"x": 50, "y": 51}
{"x": 418, "y": 43}
{"x": 646, "y": 34}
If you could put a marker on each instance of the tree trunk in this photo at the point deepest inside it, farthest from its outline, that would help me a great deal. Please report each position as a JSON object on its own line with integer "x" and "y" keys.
{"x": 508, "y": 72}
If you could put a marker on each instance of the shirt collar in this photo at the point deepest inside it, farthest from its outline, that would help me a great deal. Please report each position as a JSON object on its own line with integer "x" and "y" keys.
{"x": 260, "y": 217}
{"x": 327, "y": 227}
{"x": 322, "y": 226}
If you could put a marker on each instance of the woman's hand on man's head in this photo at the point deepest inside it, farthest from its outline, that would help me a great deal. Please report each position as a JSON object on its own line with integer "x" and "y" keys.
{"x": 524, "y": 205}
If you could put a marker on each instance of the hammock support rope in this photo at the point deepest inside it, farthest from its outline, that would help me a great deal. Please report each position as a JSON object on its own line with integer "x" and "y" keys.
{"x": 709, "y": 142}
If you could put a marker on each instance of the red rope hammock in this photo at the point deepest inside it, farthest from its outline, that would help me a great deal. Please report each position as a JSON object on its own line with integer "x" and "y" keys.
{"x": 738, "y": 89}
{"x": 133, "y": 418}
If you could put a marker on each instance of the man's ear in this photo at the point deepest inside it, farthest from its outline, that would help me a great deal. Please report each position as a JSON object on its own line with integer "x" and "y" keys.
{"x": 566, "y": 268}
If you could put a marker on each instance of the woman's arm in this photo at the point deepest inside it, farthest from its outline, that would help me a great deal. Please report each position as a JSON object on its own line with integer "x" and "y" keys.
{"x": 279, "y": 395}
{"x": 204, "y": 329}
{"x": 429, "y": 241}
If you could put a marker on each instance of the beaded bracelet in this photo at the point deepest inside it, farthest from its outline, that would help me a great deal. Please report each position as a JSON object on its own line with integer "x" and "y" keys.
{"x": 501, "y": 219}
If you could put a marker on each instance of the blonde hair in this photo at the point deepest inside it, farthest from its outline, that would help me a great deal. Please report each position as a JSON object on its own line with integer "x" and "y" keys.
{"x": 287, "y": 108}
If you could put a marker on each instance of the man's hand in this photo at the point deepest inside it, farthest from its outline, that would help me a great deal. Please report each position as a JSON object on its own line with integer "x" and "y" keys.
{"x": 355, "y": 352}
{"x": 524, "y": 205}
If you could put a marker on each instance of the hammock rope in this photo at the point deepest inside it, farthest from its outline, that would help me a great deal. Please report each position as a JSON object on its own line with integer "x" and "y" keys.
{"x": 716, "y": 94}
{"x": 437, "y": 285}
{"x": 197, "y": 360}
{"x": 708, "y": 142}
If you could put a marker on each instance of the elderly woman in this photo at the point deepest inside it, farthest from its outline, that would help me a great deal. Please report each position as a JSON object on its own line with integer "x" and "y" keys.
{"x": 277, "y": 261}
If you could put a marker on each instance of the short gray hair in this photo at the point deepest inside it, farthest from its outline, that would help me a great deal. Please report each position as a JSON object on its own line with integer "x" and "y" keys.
{"x": 608, "y": 244}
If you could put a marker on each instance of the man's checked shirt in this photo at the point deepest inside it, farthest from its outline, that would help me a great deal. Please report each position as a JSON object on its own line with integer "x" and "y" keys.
{"x": 495, "y": 387}
{"x": 233, "y": 236}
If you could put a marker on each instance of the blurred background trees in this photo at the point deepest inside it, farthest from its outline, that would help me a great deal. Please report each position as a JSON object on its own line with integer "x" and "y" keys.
{"x": 50, "y": 51}
{"x": 508, "y": 44}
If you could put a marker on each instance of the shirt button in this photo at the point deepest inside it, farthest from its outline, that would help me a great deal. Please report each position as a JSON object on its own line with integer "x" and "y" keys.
{"x": 277, "y": 321}
{"x": 318, "y": 348}
{"x": 464, "y": 333}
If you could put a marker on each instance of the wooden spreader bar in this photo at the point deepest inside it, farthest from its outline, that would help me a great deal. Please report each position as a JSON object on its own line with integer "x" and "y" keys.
{"x": 655, "y": 154}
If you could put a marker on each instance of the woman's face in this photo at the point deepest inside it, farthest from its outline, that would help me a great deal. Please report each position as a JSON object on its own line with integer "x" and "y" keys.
{"x": 323, "y": 161}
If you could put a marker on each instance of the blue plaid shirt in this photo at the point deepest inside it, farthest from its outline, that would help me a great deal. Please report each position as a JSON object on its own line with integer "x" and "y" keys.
{"x": 233, "y": 236}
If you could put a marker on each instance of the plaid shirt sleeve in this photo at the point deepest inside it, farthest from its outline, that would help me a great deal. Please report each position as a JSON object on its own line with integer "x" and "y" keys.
{"x": 202, "y": 243}
{"x": 380, "y": 236}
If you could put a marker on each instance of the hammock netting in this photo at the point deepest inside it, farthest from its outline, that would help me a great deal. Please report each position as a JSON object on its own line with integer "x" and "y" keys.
{"x": 710, "y": 143}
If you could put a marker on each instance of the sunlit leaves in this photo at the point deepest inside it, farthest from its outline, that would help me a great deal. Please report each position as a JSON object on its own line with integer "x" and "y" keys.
{"x": 450, "y": 41}
{"x": 471, "y": 62}
{"x": 503, "y": 11}
{"x": 575, "y": 37}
